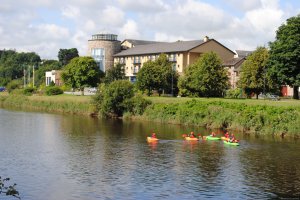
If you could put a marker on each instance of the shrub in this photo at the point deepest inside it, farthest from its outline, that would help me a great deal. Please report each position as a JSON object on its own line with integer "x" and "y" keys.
{"x": 53, "y": 90}
{"x": 115, "y": 98}
{"x": 139, "y": 104}
{"x": 233, "y": 93}
{"x": 28, "y": 91}
{"x": 14, "y": 84}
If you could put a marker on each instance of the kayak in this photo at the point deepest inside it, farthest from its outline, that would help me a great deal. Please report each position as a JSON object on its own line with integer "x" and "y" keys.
{"x": 191, "y": 139}
{"x": 151, "y": 139}
{"x": 231, "y": 143}
{"x": 224, "y": 138}
{"x": 211, "y": 138}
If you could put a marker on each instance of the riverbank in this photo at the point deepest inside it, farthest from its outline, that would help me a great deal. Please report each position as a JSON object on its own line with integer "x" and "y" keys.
{"x": 245, "y": 115}
{"x": 249, "y": 116}
{"x": 59, "y": 104}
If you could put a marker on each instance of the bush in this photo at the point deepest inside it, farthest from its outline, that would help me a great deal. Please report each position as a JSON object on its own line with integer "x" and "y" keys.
{"x": 53, "y": 90}
{"x": 29, "y": 91}
{"x": 233, "y": 93}
{"x": 117, "y": 98}
{"x": 14, "y": 84}
{"x": 139, "y": 104}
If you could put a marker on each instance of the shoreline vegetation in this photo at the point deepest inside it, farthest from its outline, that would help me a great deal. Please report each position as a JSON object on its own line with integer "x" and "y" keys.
{"x": 281, "y": 118}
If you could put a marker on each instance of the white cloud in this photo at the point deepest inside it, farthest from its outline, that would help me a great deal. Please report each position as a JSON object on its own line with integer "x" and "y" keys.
{"x": 143, "y": 6}
{"x": 244, "y": 5}
{"x": 130, "y": 30}
{"x": 71, "y": 12}
{"x": 113, "y": 16}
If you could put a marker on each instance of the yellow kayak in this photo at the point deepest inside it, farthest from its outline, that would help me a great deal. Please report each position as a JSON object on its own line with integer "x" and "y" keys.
{"x": 151, "y": 139}
{"x": 225, "y": 139}
{"x": 191, "y": 139}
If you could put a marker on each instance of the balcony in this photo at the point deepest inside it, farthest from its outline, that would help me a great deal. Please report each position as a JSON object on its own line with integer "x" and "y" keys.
{"x": 136, "y": 61}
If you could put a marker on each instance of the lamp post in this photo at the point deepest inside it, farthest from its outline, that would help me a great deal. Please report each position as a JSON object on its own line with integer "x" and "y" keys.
{"x": 24, "y": 75}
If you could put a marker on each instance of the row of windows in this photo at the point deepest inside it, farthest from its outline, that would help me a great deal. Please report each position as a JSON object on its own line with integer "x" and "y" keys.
{"x": 137, "y": 59}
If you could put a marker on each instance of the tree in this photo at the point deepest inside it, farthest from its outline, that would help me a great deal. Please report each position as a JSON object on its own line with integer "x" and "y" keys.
{"x": 66, "y": 55}
{"x": 115, "y": 98}
{"x": 285, "y": 54}
{"x": 156, "y": 75}
{"x": 205, "y": 78}
{"x": 254, "y": 78}
{"x": 115, "y": 73}
{"x": 13, "y": 64}
{"x": 82, "y": 72}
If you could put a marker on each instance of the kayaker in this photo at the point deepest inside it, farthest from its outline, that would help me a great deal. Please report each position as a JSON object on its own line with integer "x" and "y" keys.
{"x": 213, "y": 134}
{"x": 232, "y": 138}
{"x": 192, "y": 135}
{"x": 227, "y": 135}
{"x": 153, "y": 135}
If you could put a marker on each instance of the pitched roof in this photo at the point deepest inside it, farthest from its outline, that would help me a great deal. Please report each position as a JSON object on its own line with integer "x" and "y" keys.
{"x": 233, "y": 61}
{"x": 140, "y": 42}
{"x": 243, "y": 53}
{"x": 161, "y": 47}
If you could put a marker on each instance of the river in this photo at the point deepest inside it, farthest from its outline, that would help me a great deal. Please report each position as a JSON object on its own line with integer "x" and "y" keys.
{"x": 61, "y": 157}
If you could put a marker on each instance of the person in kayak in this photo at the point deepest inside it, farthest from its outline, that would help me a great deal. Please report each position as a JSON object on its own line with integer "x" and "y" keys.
{"x": 226, "y": 135}
{"x": 153, "y": 135}
{"x": 232, "y": 138}
{"x": 192, "y": 135}
{"x": 213, "y": 134}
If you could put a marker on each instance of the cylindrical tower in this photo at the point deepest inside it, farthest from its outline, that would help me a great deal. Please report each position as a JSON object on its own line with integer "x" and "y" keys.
{"x": 102, "y": 47}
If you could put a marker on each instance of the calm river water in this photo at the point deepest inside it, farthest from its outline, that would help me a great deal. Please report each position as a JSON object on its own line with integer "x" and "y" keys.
{"x": 61, "y": 157}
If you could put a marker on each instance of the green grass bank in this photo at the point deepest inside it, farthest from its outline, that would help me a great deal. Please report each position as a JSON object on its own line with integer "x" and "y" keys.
{"x": 251, "y": 116}
{"x": 58, "y": 104}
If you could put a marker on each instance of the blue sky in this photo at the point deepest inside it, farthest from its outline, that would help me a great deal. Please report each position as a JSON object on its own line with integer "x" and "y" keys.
{"x": 45, "y": 26}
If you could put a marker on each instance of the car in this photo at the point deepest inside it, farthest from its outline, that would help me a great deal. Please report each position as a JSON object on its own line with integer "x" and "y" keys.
{"x": 269, "y": 96}
{"x": 2, "y": 89}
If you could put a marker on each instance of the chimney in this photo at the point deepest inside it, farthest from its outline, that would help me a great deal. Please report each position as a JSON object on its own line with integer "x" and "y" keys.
{"x": 206, "y": 38}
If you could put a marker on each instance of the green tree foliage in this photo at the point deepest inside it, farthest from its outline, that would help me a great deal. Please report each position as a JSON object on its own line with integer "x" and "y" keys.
{"x": 254, "y": 78}
{"x": 66, "y": 55}
{"x": 116, "y": 98}
{"x": 157, "y": 75}
{"x": 81, "y": 72}
{"x": 285, "y": 54}
{"x": 13, "y": 64}
{"x": 8, "y": 190}
{"x": 204, "y": 78}
{"x": 115, "y": 73}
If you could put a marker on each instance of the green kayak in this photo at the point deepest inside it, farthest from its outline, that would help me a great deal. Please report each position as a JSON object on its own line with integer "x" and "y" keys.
{"x": 232, "y": 143}
{"x": 212, "y": 138}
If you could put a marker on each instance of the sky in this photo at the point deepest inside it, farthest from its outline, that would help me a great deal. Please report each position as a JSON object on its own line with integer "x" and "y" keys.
{"x": 45, "y": 26}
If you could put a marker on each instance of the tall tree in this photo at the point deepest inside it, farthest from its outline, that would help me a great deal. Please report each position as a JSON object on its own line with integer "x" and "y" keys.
{"x": 82, "y": 72}
{"x": 205, "y": 78}
{"x": 66, "y": 55}
{"x": 157, "y": 75}
{"x": 254, "y": 78}
{"x": 115, "y": 73}
{"x": 285, "y": 54}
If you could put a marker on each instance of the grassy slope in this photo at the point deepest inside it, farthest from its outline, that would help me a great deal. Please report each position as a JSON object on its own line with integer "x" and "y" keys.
{"x": 168, "y": 100}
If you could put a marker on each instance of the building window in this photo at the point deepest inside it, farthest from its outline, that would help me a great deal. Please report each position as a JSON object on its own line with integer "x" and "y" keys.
{"x": 98, "y": 54}
{"x": 48, "y": 81}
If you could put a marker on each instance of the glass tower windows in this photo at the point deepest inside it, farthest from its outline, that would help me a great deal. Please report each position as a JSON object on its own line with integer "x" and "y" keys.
{"x": 98, "y": 54}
